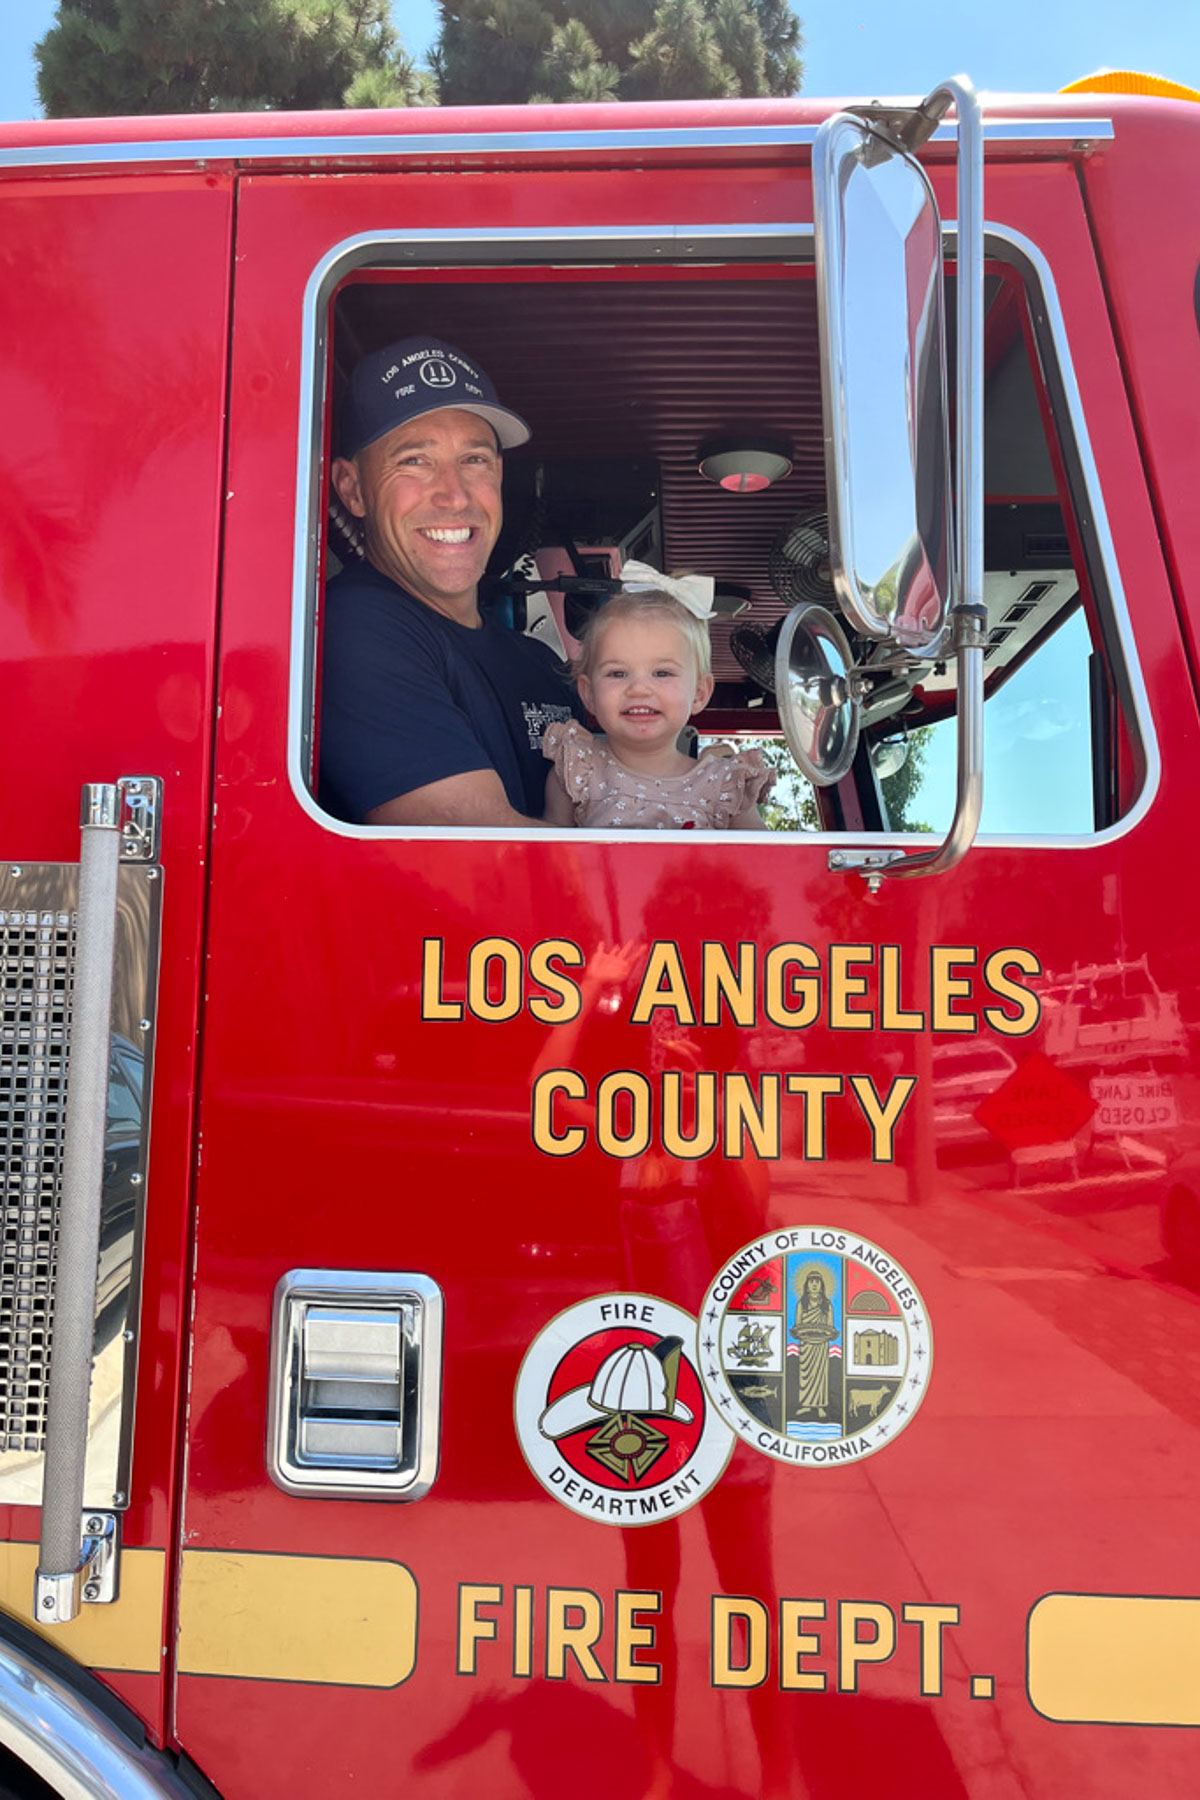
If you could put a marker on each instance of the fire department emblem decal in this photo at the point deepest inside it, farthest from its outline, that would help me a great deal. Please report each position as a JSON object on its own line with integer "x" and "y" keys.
{"x": 815, "y": 1346}
{"x": 611, "y": 1413}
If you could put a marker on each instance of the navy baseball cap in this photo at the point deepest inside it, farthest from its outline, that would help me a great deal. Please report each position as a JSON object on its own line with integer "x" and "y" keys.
{"x": 419, "y": 375}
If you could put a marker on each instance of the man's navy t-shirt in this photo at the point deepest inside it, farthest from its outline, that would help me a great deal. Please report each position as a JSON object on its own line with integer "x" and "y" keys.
{"x": 409, "y": 696}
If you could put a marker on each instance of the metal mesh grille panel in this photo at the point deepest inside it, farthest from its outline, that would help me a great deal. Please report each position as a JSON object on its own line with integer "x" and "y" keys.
{"x": 36, "y": 964}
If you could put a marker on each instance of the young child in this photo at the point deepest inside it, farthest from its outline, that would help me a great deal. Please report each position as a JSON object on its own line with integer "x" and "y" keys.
{"x": 643, "y": 670}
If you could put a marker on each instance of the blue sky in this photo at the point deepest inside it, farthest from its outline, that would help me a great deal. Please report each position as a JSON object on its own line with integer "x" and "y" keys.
{"x": 853, "y": 46}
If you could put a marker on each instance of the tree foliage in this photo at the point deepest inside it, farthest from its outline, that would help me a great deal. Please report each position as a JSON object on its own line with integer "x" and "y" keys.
{"x": 164, "y": 56}
{"x": 902, "y": 791}
{"x": 510, "y": 51}
{"x": 170, "y": 56}
{"x": 791, "y": 804}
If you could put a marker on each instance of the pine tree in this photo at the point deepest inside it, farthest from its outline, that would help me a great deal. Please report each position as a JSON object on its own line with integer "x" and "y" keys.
{"x": 572, "y": 67}
{"x": 783, "y": 40}
{"x": 738, "y": 40}
{"x": 511, "y": 51}
{"x": 490, "y": 52}
{"x": 679, "y": 57}
{"x": 161, "y": 56}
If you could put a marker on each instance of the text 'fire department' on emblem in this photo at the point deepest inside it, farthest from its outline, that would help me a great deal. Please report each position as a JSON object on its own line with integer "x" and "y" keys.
{"x": 815, "y": 1346}
{"x": 611, "y": 1414}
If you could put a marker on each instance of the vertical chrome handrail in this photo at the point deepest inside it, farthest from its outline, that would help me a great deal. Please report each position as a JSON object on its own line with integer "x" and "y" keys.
{"x": 57, "y": 1590}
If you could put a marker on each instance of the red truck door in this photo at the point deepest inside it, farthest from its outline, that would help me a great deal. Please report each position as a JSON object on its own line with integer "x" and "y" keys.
{"x": 683, "y": 1078}
{"x": 114, "y": 309}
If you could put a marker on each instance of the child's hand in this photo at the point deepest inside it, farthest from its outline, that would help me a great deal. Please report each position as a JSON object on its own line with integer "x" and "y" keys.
{"x": 558, "y": 808}
{"x": 679, "y": 1052}
{"x": 613, "y": 964}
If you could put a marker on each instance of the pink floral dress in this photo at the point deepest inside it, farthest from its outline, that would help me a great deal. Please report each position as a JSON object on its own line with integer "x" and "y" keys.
{"x": 605, "y": 794}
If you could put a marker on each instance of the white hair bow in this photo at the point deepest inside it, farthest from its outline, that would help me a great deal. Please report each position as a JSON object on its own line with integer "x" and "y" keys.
{"x": 693, "y": 591}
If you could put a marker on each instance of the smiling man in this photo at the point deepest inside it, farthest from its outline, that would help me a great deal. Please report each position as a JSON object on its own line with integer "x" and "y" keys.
{"x": 431, "y": 713}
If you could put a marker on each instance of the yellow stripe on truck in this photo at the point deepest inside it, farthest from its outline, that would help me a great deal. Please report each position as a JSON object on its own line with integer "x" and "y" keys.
{"x": 1107, "y": 1659}
{"x": 125, "y": 1635}
{"x": 328, "y": 1619}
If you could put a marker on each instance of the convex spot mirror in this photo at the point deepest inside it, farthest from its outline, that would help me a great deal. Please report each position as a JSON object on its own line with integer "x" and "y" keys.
{"x": 814, "y": 688}
{"x": 883, "y": 367}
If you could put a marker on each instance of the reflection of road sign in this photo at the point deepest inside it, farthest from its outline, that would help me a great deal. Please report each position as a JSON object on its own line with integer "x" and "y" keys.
{"x": 1038, "y": 1104}
{"x": 611, "y": 1414}
{"x": 841, "y": 1367}
{"x": 1134, "y": 1103}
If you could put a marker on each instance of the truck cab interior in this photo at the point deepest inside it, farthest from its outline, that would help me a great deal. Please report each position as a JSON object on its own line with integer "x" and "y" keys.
{"x": 662, "y": 401}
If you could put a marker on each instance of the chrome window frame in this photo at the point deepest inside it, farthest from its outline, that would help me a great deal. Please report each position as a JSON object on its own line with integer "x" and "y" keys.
{"x": 775, "y": 242}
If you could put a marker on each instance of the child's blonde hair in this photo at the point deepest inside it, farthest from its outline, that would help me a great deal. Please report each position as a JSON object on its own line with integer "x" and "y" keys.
{"x": 643, "y": 603}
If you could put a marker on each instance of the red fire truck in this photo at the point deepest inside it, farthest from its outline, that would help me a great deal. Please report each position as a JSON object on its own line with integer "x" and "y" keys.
{"x": 587, "y": 1313}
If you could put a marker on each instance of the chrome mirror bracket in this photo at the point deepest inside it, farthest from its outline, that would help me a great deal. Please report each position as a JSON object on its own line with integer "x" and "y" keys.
{"x": 911, "y": 126}
{"x": 872, "y": 865}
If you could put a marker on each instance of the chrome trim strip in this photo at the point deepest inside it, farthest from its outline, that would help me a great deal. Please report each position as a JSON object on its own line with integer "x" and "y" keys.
{"x": 73, "y": 1747}
{"x": 799, "y": 239}
{"x": 1035, "y": 131}
{"x": 373, "y": 146}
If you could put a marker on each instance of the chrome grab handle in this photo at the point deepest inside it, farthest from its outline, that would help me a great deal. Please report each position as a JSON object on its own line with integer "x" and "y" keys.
{"x": 61, "y": 1564}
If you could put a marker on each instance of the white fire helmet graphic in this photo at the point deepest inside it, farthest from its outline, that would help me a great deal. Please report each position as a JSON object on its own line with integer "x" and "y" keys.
{"x": 611, "y": 1413}
{"x": 632, "y": 1379}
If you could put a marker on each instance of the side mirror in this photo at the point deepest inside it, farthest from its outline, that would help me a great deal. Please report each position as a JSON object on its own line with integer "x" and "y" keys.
{"x": 815, "y": 690}
{"x": 883, "y": 355}
{"x": 905, "y": 542}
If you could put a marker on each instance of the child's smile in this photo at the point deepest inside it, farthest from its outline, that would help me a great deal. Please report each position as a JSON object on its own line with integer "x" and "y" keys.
{"x": 643, "y": 688}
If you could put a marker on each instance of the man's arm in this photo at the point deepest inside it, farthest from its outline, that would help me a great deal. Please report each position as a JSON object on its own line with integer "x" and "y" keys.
{"x": 476, "y": 798}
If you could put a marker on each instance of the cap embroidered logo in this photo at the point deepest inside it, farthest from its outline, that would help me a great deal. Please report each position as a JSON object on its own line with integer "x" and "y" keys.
{"x": 438, "y": 374}
{"x": 374, "y": 404}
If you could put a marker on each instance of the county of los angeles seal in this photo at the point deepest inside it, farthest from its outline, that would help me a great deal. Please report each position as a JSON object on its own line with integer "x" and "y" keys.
{"x": 611, "y": 1413}
{"x": 815, "y": 1346}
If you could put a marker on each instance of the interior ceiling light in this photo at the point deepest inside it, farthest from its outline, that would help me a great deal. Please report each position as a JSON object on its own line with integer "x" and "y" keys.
{"x": 745, "y": 465}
